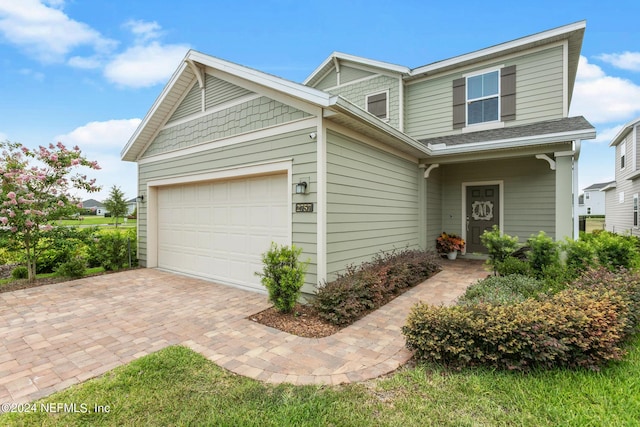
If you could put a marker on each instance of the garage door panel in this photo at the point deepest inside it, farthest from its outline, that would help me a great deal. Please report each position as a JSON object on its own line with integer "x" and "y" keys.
{"x": 220, "y": 229}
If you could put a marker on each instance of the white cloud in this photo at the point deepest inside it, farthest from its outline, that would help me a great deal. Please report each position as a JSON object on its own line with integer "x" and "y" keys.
{"x": 45, "y": 32}
{"x": 38, "y": 76}
{"x": 606, "y": 135}
{"x": 103, "y": 141}
{"x": 602, "y": 98}
{"x": 144, "y": 31}
{"x": 625, "y": 60}
{"x": 145, "y": 65}
{"x": 87, "y": 63}
{"x": 3, "y": 137}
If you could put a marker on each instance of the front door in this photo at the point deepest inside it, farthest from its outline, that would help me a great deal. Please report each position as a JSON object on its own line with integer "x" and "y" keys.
{"x": 483, "y": 212}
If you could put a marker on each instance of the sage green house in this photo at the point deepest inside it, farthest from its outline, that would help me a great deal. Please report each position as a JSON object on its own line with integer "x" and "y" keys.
{"x": 362, "y": 157}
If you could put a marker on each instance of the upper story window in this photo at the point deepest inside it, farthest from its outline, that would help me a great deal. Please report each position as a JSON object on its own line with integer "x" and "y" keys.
{"x": 378, "y": 104}
{"x": 487, "y": 96}
{"x": 483, "y": 98}
{"x": 623, "y": 155}
{"x": 586, "y": 195}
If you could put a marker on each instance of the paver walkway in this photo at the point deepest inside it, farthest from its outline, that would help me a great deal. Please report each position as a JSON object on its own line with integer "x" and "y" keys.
{"x": 57, "y": 335}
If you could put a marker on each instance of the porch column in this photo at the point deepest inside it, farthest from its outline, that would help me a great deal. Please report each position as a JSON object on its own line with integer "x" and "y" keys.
{"x": 422, "y": 208}
{"x": 564, "y": 196}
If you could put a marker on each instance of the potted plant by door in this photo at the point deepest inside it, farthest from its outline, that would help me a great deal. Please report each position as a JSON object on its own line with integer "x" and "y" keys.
{"x": 449, "y": 244}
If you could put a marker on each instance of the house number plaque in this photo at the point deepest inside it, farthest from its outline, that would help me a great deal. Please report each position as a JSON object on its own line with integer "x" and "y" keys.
{"x": 304, "y": 207}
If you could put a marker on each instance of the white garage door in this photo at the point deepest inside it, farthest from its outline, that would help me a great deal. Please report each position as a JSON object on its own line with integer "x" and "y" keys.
{"x": 219, "y": 229}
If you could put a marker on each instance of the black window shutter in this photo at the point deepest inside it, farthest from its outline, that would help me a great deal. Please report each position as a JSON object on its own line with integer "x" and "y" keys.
{"x": 508, "y": 93}
{"x": 459, "y": 103}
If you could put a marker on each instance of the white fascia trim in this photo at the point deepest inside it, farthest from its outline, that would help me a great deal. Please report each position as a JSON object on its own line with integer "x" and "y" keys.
{"x": 297, "y": 90}
{"x": 261, "y": 168}
{"x": 622, "y": 133}
{"x": 267, "y": 132}
{"x": 347, "y": 107}
{"x": 441, "y": 149}
{"x": 358, "y": 60}
{"x": 154, "y": 107}
{"x": 535, "y": 38}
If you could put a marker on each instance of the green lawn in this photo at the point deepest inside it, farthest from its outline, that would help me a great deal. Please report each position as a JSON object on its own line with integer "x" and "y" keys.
{"x": 97, "y": 220}
{"x": 179, "y": 387}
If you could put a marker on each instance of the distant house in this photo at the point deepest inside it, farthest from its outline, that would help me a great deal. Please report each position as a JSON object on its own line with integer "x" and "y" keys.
{"x": 131, "y": 205}
{"x": 592, "y": 200}
{"x": 364, "y": 156}
{"x": 94, "y": 206}
{"x": 622, "y": 194}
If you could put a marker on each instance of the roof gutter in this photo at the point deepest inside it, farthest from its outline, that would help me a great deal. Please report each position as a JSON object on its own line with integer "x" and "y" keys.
{"x": 442, "y": 149}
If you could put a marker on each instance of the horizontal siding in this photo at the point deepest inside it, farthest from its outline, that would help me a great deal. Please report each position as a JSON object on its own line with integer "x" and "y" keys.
{"x": 294, "y": 145}
{"x": 372, "y": 202}
{"x": 619, "y": 216}
{"x": 349, "y": 74}
{"x": 245, "y": 117}
{"x": 529, "y": 194}
{"x": 218, "y": 91}
{"x": 330, "y": 80}
{"x": 191, "y": 104}
{"x": 539, "y": 76}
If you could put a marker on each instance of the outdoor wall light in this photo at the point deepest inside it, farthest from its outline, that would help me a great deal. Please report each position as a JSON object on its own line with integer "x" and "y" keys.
{"x": 140, "y": 198}
{"x": 301, "y": 187}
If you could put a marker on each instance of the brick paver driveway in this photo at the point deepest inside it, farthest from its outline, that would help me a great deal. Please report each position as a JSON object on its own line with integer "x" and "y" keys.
{"x": 57, "y": 335}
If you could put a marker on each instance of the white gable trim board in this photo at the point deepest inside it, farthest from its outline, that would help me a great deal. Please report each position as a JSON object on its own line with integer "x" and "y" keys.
{"x": 251, "y": 206}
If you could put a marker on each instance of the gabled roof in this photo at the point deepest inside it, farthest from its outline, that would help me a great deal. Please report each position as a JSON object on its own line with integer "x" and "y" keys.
{"x": 92, "y": 203}
{"x": 347, "y": 113}
{"x": 573, "y": 33}
{"x": 599, "y": 186}
{"x": 622, "y": 134}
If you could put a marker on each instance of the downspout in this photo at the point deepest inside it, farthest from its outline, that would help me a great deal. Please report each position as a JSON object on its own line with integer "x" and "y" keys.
{"x": 577, "y": 144}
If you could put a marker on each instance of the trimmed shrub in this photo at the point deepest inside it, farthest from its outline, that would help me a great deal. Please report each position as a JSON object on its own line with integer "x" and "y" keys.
{"x": 580, "y": 255}
{"x": 110, "y": 250}
{"x": 543, "y": 253}
{"x": 570, "y": 329}
{"x": 502, "y": 290}
{"x": 283, "y": 276}
{"x": 20, "y": 272}
{"x": 362, "y": 289}
{"x": 75, "y": 268}
{"x": 614, "y": 251}
{"x": 499, "y": 246}
{"x": 512, "y": 265}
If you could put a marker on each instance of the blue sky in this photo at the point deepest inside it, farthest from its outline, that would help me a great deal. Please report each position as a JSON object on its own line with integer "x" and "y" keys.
{"x": 86, "y": 71}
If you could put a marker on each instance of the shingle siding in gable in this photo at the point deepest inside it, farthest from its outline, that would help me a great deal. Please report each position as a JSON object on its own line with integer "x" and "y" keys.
{"x": 357, "y": 92}
{"x": 248, "y": 116}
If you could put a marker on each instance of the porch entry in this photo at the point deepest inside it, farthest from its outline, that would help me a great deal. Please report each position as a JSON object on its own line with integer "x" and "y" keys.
{"x": 482, "y": 213}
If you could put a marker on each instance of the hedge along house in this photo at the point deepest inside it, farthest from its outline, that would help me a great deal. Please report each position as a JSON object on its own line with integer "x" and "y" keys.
{"x": 365, "y": 156}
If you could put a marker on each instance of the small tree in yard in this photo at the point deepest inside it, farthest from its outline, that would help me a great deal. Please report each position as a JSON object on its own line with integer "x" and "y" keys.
{"x": 33, "y": 197}
{"x": 116, "y": 205}
{"x": 283, "y": 276}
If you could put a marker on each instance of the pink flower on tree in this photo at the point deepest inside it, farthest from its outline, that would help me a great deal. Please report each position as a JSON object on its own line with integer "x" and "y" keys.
{"x": 11, "y": 195}
{"x": 4, "y": 220}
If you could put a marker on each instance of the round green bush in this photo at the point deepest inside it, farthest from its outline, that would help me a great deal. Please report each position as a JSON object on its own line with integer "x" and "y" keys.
{"x": 20, "y": 272}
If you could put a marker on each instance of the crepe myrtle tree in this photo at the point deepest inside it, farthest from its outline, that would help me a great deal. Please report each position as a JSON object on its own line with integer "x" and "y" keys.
{"x": 35, "y": 192}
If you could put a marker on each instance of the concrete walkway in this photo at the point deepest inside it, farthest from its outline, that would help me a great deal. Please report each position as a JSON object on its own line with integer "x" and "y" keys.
{"x": 57, "y": 335}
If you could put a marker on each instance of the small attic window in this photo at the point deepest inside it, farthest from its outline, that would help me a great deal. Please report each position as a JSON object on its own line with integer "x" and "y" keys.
{"x": 378, "y": 104}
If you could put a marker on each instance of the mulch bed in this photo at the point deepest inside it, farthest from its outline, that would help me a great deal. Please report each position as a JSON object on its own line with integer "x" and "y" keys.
{"x": 303, "y": 321}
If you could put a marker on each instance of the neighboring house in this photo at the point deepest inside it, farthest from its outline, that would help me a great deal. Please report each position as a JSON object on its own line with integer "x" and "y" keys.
{"x": 131, "y": 205}
{"x": 364, "y": 157}
{"x": 622, "y": 195}
{"x": 94, "y": 206}
{"x": 592, "y": 200}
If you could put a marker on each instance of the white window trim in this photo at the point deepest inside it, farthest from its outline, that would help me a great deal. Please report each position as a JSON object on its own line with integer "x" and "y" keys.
{"x": 466, "y": 97}
{"x": 623, "y": 155}
{"x": 621, "y": 197}
{"x": 366, "y": 103}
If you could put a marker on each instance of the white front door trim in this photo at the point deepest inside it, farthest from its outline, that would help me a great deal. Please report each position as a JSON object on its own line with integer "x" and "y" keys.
{"x": 500, "y": 185}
